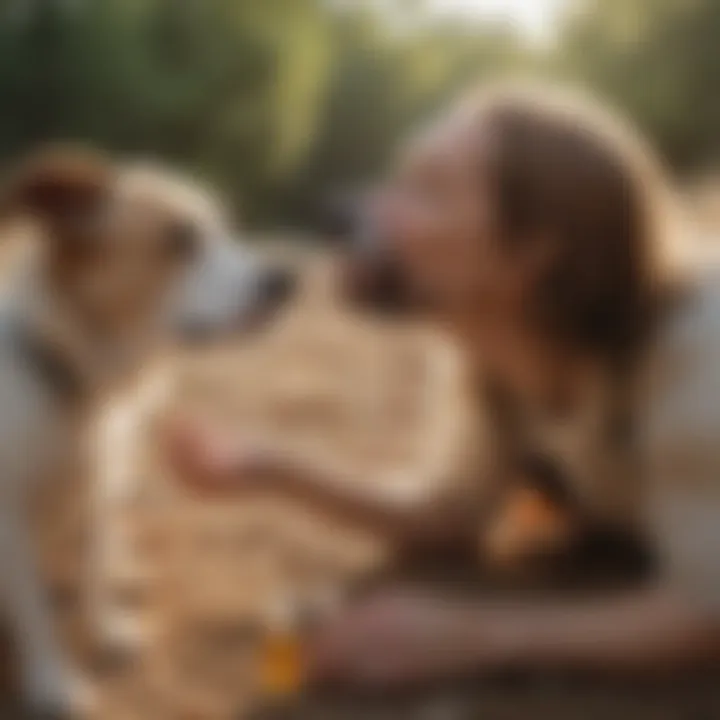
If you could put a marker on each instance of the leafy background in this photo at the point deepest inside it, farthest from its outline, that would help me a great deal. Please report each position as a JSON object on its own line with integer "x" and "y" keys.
{"x": 279, "y": 102}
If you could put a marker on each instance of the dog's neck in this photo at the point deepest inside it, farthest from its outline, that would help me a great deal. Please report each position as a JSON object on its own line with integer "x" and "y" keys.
{"x": 98, "y": 362}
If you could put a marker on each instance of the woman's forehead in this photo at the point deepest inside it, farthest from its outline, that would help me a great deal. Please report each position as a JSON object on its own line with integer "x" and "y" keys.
{"x": 452, "y": 137}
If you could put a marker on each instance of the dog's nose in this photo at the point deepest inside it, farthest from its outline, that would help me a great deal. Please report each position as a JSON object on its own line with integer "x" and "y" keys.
{"x": 277, "y": 287}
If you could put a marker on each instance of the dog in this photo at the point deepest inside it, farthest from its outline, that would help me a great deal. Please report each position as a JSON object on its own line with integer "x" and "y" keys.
{"x": 128, "y": 258}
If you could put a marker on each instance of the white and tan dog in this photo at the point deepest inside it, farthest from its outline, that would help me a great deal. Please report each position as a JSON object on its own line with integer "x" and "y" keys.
{"x": 126, "y": 257}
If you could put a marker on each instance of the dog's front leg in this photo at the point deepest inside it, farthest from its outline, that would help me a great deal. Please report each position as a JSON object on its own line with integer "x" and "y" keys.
{"x": 44, "y": 675}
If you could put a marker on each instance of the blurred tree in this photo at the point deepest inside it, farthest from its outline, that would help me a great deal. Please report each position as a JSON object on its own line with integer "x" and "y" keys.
{"x": 285, "y": 102}
{"x": 229, "y": 87}
{"x": 385, "y": 78}
{"x": 660, "y": 61}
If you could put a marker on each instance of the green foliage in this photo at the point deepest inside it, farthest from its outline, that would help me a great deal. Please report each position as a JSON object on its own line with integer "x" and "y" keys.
{"x": 284, "y": 102}
{"x": 382, "y": 83}
{"x": 228, "y": 87}
{"x": 660, "y": 61}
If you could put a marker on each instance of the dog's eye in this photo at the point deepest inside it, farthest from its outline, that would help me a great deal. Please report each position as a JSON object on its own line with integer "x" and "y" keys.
{"x": 182, "y": 240}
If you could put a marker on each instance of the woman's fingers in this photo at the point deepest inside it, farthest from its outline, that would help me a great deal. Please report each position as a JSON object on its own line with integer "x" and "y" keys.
{"x": 209, "y": 459}
{"x": 199, "y": 455}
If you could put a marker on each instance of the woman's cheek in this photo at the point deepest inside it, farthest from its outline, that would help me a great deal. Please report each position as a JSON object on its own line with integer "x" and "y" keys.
{"x": 424, "y": 239}
{"x": 411, "y": 225}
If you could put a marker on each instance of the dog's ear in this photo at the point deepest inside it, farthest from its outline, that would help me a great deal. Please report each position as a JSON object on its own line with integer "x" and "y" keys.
{"x": 57, "y": 185}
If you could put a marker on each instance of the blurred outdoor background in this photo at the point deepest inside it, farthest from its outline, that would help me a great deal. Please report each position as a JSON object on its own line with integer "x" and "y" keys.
{"x": 279, "y": 102}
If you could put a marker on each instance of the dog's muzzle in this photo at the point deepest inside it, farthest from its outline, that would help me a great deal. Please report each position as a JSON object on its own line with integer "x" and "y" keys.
{"x": 260, "y": 295}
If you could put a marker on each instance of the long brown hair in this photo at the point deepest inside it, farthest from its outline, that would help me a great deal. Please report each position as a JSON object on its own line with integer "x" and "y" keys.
{"x": 565, "y": 171}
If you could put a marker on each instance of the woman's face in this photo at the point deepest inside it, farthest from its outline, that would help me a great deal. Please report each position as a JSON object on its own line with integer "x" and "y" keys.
{"x": 434, "y": 218}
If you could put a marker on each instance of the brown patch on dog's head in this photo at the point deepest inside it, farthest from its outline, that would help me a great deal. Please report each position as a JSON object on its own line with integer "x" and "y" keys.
{"x": 110, "y": 241}
{"x": 58, "y": 184}
{"x": 60, "y": 188}
{"x": 129, "y": 249}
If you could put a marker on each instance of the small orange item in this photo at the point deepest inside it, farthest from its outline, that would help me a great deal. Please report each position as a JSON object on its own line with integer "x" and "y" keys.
{"x": 280, "y": 662}
{"x": 528, "y": 523}
{"x": 281, "y": 670}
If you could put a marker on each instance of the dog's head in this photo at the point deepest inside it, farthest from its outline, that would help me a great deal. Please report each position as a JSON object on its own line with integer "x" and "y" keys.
{"x": 131, "y": 247}
{"x": 515, "y": 203}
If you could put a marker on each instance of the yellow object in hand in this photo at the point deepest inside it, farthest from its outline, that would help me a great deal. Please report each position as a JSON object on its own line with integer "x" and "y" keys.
{"x": 281, "y": 667}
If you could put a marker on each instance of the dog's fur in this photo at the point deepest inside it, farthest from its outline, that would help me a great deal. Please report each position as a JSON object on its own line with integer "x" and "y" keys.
{"x": 125, "y": 257}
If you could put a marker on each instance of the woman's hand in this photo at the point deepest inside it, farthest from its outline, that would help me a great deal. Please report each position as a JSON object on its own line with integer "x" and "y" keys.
{"x": 400, "y": 639}
{"x": 210, "y": 461}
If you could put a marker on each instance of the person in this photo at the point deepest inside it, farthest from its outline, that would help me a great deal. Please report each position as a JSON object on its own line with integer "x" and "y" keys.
{"x": 533, "y": 226}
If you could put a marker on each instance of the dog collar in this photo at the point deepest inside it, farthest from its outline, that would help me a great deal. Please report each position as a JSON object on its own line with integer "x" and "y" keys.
{"x": 56, "y": 372}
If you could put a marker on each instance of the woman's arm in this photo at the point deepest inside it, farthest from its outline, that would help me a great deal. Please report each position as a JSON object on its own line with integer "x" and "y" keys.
{"x": 399, "y": 639}
{"x": 672, "y": 625}
{"x": 403, "y": 510}
{"x": 218, "y": 466}
{"x": 647, "y": 631}
{"x": 404, "y": 519}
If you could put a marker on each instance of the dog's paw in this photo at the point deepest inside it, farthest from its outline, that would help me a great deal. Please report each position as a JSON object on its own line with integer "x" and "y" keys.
{"x": 118, "y": 641}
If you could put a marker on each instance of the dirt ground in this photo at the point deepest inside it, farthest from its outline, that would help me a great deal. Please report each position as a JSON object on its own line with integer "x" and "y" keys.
{"x": 199, "y": 580}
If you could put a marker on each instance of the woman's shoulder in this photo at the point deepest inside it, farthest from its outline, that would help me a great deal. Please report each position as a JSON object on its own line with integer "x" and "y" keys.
{"x": 683, "y": 434}
{"x": 683, "y": 398}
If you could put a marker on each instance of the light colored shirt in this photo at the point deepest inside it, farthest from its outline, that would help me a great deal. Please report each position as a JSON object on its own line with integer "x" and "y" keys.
{"x": 683, "y": 444}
